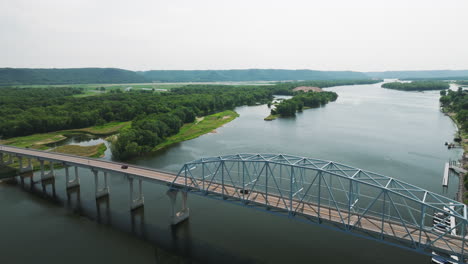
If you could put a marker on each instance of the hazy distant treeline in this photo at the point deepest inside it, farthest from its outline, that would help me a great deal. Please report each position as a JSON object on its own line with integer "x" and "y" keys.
{"x": 249, "y": 75}
{"x": 22, "y": 76}
{"x": 11, "y": 77}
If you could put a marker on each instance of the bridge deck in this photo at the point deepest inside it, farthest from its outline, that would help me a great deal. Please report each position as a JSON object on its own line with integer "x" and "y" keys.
{"x": 391, "y": 229}
{"x": 366, "y": 223}
{"x": 145, "y": 173}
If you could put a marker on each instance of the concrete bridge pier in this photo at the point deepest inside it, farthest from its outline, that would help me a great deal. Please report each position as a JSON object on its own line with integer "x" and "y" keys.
{"x": 74, "y": 182}
{"x": 8, "y": 162}
{"x": 183, "y": 214}
{"x": 103, "y": 191}
{"x": 50, "y": 174}
{"x": 140, "y": 200}
{"x": 29, "y": 166}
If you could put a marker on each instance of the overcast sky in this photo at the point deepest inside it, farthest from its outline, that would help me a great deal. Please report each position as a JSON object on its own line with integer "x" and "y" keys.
{"x": 360, "y": 35}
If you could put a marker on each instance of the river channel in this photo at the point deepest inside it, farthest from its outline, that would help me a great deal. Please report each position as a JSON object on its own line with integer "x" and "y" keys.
{"x": 395, "y": 133}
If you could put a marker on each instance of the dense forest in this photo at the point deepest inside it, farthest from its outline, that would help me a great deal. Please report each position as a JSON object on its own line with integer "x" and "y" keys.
{"x": 289, "y": 107}
{"x": 417, "y": 85}
{"x": 150, "y": 129}
{"x": 456, "y": 102}
{"x": 35, "y": 110}
{"x": 26, "y": 111}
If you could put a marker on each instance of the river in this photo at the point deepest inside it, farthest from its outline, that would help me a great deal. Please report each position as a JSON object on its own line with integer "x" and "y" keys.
{"x": 395, "y": 133}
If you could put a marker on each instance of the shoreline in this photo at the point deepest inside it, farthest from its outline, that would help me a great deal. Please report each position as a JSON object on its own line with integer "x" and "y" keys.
{"x": 42, "y": 141}
{"x": 463, "y": 162}
{"x": 202, "y": 125}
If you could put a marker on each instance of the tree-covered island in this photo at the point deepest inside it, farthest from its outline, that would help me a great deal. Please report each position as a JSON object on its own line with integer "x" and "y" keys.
{"x": 417, "y": 85}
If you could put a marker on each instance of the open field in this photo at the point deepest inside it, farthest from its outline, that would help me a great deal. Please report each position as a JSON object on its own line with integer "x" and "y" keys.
{"x": 95, "y": 151}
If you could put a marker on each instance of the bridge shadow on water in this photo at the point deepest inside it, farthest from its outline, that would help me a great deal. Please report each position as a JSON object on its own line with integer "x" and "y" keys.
{"x": 173, "y": 244}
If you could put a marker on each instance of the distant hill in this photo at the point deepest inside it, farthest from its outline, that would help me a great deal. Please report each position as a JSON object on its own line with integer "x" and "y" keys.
{"x": 440, "y": 74}
{"x": 24, "y": 76}
{"x": 248, "y": 75}
{"x": 16, "y": 76}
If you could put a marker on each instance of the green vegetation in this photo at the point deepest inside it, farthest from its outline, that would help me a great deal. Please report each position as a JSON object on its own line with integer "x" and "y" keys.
{"x": 44, "y": 140}
{"x": 155, "y": 117}
{"x": 300, "y": 100}
{"x": 158, "y": 121}
{"x": 36, "y": 141}
{"x": 271, "y": 117}
{"x": 199, "y": 127}
{"x": 104, "y": 130}
{"x": 12, "y": 76}
{"x": 25, "y": 113}
{"x": 417, "y": 85}
{"x": 464, "y": 82}
{"x": 455, "y": 104}
{"x": 95, "y": 151}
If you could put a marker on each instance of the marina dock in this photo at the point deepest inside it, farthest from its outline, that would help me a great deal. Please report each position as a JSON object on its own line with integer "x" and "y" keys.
{"x": 446, "y": 175}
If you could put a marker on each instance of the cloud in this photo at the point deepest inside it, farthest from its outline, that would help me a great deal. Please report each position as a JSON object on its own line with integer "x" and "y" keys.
{"x": 216, "y": 34}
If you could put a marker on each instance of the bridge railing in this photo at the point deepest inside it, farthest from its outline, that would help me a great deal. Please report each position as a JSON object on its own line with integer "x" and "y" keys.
{"x": 38, "y": 154}
{"x": 358, "y": 200}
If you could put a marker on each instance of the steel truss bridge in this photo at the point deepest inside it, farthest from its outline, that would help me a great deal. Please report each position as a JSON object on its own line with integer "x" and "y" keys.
{"x": 332, "y": 195}
{"x": 325, "y": 193}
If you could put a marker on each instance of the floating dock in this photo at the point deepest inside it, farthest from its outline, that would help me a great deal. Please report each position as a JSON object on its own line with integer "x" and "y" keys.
{"x": 446, "y": 175}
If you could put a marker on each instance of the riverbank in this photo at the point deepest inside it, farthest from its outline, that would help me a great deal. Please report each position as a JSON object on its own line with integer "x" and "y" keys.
{"x": 462, "y": 195}
{"x": 271, "y": 117}
{"x": 45, "y": 141}
{"x": 201, "y": 126}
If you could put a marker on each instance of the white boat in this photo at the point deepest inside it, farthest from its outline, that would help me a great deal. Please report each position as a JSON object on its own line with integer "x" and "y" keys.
{"x": 442, "y": 223}
{"x": 443, "y": 258}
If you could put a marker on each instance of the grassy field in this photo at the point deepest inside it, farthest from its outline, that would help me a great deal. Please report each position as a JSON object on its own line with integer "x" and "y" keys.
{"x": 271, "y": 117}
{"x": 36, "y": 141}
{"x": 95, "y": 151}
{"x": 104, "y": 130}
{"x": 201, "y": 126}
{"x": 40, "y": 141}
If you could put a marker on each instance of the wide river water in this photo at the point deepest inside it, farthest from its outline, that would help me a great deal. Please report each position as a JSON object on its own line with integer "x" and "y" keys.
{"x": 395, "y": 133}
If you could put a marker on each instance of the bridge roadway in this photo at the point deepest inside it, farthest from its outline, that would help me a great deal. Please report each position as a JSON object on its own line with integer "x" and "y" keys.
{"x": 370, "y": 224}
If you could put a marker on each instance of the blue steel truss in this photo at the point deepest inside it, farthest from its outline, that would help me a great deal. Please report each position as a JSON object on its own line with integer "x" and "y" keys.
{"x": 335, "y": 195}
